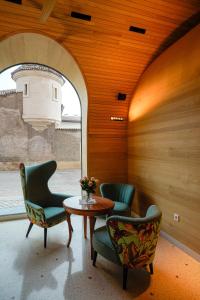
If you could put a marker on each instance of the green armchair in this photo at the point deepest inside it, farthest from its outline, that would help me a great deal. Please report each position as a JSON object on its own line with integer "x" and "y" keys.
{"x": 122, "y": 194}
{"x": 129, "y": 242}
{"x": 43, "y": 208}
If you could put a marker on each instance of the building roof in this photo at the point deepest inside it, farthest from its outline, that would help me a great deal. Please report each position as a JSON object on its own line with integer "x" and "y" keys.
{"x": 72, "y": 119}
{"x": 69, "y": 126}
{"x": 7, "y": 92}
{"x": 70, "y": 122}
{"x": 37, "y": 67}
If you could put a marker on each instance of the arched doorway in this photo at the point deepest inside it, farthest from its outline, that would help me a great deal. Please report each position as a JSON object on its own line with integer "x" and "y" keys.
{"x": 56, "y": 135}
{"x": 36, "y": 48}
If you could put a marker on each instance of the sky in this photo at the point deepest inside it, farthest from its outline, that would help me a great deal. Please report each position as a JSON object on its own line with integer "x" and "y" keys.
{"x": 70, "y": 98}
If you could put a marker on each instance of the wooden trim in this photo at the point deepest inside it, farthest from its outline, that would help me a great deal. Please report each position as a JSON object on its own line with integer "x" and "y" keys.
{"x": 180, "y": 245}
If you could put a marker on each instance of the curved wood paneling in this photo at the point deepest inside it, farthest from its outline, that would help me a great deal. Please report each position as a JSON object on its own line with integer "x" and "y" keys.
{"x": 164, "y": 139}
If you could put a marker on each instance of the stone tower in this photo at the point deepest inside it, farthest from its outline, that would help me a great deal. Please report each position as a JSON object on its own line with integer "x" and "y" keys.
{"x": 42, "y": 96}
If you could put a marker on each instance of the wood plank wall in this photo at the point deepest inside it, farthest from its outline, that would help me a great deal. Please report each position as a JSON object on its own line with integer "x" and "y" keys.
{"x": 164, "y": 139}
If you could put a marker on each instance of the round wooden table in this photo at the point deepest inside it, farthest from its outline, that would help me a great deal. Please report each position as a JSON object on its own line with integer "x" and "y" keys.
{"x": 101, "y": 207}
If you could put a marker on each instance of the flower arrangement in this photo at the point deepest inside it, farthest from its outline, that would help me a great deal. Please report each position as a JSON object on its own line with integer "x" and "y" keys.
{"x": 88, "y": 184}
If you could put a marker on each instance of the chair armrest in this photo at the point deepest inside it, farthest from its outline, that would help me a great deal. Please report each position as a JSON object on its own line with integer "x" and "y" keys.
{"x": 153, "y": 213}
{"x": 123, "y": 219}
{"x": 35, "y": 213}
{"x": 58, "y": 199}
{"x": 33, "y": 205}
{"x": 61, "y": 196}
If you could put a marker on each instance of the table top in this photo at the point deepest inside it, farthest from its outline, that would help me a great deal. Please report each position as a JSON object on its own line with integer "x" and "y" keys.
{"x": 102, "y": 206}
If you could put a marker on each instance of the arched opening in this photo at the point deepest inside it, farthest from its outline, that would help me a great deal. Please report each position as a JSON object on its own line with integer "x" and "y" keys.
{"x": 26, "y": 47}
{"x": 31, "y": 135}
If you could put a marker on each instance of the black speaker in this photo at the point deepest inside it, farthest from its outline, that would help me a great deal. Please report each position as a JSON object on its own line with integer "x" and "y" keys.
{"x": 137, "y": 29}
{"x": 121, "y": 97}
{"x": 15, "y": 1}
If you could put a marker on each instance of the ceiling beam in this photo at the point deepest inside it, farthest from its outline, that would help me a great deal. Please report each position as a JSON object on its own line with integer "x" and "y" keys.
{"x": 47, "y": 9}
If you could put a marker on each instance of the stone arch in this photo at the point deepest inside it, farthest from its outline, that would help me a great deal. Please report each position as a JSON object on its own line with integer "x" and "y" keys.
{"x": 37, "y": 48}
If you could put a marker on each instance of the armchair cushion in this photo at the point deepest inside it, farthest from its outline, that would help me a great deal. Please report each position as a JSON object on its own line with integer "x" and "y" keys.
{"x": 102, "y": 242}
{"x": 120, "y": 208}
{"x": 54, "y": 215}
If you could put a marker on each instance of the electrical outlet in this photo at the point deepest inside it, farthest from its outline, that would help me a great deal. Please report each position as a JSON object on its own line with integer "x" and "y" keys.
{"x": 176, "y": 217}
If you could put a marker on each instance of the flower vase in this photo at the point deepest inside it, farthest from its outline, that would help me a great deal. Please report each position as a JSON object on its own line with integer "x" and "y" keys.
{"x": 88, "y": 196}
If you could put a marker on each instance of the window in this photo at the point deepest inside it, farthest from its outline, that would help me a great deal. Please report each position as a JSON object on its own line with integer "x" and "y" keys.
{"x": 55, "y": 93}
{"x": 26, "y": 90}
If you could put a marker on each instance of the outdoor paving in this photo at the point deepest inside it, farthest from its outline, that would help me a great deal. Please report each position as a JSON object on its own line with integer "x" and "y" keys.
{"x": 11, "y": 197}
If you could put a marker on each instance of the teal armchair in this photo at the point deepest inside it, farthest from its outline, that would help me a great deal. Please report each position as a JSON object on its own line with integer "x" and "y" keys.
{"x": 129, "y": 242}
{"x": 43, "y": 207}
{"x": 122, "y": 194}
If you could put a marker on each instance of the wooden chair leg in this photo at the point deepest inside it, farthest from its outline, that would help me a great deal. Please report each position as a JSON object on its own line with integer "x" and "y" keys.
{"x": 151, "y": 268}
{"x": 45, "y": 237}
{"x": 125, "y": 274}
{"x": 94, "y": 258}
{"x": 70, "y": 229}
{"x": 29, "y": 229}
{"x": 85, "y": 226}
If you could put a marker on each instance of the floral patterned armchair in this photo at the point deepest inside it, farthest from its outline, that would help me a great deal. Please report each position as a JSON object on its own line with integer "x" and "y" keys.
{"x": 43, "y": 208}
{"x": 129, "y": 242}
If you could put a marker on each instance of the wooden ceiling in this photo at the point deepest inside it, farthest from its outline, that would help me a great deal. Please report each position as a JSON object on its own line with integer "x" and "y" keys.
{"x": 111, "y": 57}
{"x": 107, "y": 52}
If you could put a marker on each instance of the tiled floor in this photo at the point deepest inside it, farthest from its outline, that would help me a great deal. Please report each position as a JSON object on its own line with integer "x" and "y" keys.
{"x": 11, "y": 198}
{"x": 30, "y": 272}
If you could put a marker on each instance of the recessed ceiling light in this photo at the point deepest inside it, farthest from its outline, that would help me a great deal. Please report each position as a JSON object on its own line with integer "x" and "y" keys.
{"x": 81, "y": 16}
{"x": 15, "y": 1}
{"x": 137, "y": 29}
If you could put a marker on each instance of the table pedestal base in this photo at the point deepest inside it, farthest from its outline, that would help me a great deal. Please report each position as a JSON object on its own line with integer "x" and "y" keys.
{"x": 72, "y": 205}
